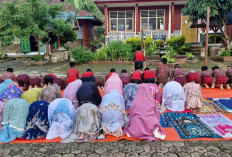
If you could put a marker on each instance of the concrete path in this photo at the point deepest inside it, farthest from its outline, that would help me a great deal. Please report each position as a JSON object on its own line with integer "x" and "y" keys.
{"x": 121, "y": 149}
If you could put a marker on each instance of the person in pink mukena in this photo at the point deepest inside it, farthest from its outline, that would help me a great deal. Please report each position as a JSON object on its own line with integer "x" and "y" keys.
{"x": 144, "y": 120}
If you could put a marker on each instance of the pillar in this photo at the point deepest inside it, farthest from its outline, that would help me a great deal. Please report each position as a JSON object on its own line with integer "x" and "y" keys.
{"x": 137, "y": 20}
{"x": 106, "y": 20}
{"x": 169, "y": 20}
{"x": 172, "y": 18}
{"x": 85, "y": 36}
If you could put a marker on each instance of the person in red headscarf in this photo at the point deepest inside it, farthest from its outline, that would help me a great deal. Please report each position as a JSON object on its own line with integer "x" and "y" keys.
{"x": 72, "y": 73}
{"x": 88, "y": 76}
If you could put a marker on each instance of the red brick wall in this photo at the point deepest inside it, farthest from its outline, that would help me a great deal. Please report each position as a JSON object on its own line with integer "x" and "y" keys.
{"x": 176, "y": 25}
{"x": 88, "y": 31}
{"x": 177, "y": 17}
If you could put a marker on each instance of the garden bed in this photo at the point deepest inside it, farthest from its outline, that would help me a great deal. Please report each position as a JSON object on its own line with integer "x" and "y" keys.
{"x": 171, "y": 65}
{"x": 35, "y": 63}
{"x": 111, "y": 62}
{"x": 222, "y": 58}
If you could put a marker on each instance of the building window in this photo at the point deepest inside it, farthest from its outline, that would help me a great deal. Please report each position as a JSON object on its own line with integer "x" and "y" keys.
{"x": 152, "y": 19}
{"x": 121, "y": 20}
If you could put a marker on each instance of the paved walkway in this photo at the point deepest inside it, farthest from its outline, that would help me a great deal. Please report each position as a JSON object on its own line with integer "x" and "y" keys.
{"x": 121, "y": 149}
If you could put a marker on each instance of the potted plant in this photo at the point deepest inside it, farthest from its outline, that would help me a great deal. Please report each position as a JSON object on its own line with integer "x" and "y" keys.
{"x": 226, "y": 55}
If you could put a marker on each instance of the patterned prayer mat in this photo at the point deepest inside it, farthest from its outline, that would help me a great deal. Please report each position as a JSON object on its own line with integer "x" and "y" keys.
{"x": 188, "y": 126}
{"x": 165, "y": 121}
{"x": 226, "y": 104}
{"x": 208, "y": 106}
{"x": 219, "y": 124}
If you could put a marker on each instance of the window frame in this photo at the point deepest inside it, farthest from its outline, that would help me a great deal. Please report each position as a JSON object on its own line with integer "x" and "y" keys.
{"x": 148, "y": 18}
{"x": 117, "y": 18}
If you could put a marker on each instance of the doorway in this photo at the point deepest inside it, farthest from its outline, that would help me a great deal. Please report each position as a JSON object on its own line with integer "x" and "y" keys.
{"x": 34, "y": 47}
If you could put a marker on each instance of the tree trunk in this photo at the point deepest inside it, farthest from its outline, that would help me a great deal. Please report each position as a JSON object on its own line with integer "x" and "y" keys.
{"x": 215, "y": 37}
{"x": 39, "y": 46}
{"x": 226, "y": 38}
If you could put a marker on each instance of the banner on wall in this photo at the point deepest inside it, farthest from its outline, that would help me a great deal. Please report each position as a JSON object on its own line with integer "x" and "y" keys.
{"x": 25, "y": 44}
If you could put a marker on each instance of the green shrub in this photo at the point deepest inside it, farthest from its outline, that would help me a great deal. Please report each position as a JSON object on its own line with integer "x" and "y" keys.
{"x": 187, "y": 46}
{"x": 135, "y": 43}
{"x": 177, "y": 42}
{"x": 81, "y": 55}
{"x": 148, "y": 41}
{"x": 158, "y": 42}
{"x": 37, "y": 58}
{"x": 189, "y": 55}
{"x": 169, "y": 58}
{"x": 118, "y": 50}
{"x": 1, "y": 55}
{"x": 172, "y": 52}
{"x": 151, "y": 50}
{"x": 218, "y": 37}
{"x": 226, "y": 53}
{"x": 101, "y": 54}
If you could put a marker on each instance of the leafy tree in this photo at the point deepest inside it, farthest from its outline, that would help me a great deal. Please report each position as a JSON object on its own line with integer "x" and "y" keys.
{"x": 197, "y": 9}
{"x": 33, "y": 18}
{"x": 87, "y": 5}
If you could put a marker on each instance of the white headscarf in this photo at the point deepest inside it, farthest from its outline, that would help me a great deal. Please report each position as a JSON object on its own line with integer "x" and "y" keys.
{"x": 113, "y": 113}
{"x": 174, "y": 96}
{"x": 61, "y": 116}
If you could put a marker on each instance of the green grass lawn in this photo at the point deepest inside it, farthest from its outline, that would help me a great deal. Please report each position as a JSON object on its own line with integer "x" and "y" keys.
{"x": 103, "y": 69}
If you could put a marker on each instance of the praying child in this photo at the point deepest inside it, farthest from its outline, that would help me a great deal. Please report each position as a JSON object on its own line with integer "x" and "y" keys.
{"x": 162, "y": 73}
{"x": 206, "y": 77}
{"x": 178, "y": 74}
{"x": 229, "y": 75}
{"x": 221, "y": 79}
{"x": 136, "y": 76}
{"x": 193, "y": 76}
{"x": 148, "y": 76}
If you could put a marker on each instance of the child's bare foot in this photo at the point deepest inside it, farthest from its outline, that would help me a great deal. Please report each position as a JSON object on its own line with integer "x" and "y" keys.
{"x": 160, "y": 86}
{"x": 228, "y": 86}
{"x": 206, "y": 86}
{"x": 221, "y": 86}
{"x": 213, "y": 86}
